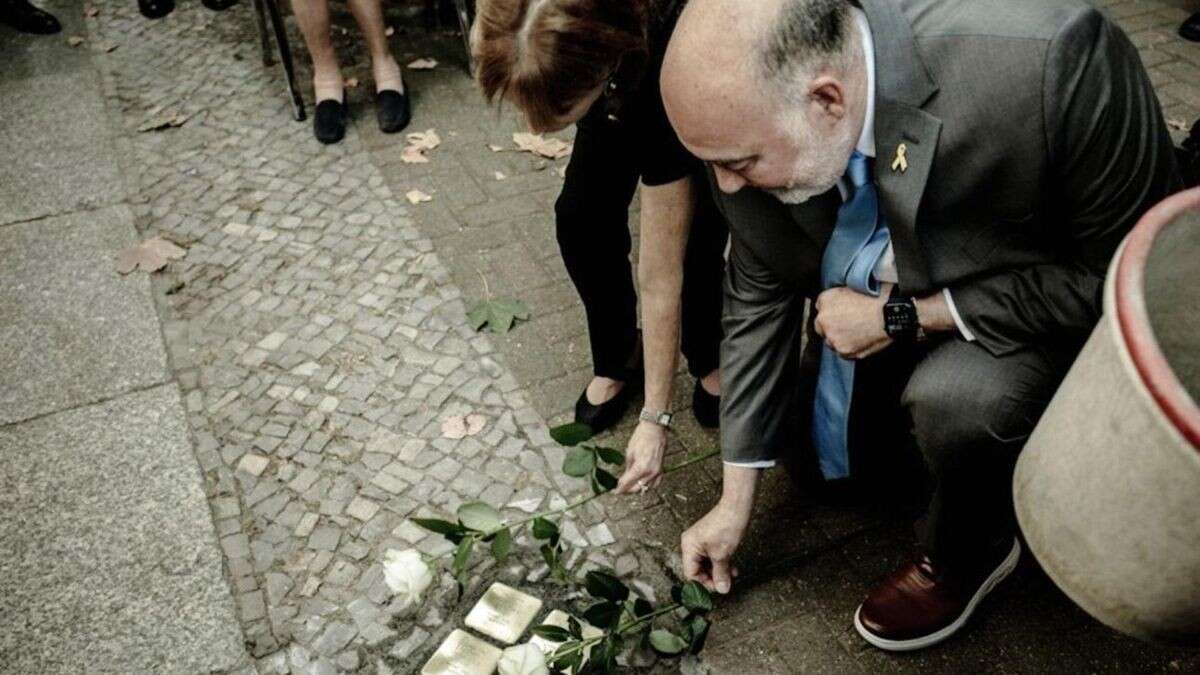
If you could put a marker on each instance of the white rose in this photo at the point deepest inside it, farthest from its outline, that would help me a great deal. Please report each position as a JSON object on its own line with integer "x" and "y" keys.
{"x": 524, "y": 659}
{"x": 406, "y": 574}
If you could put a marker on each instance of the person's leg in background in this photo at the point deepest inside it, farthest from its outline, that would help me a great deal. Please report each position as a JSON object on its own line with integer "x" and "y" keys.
{"x": 1190, "y": 29}
{"x": 700, "y": 323}
{"x": 391, "y": 102}
{"x": 22, "y": 16}
{"x": 592, "y": 224}
{"x": 329, "y": 120}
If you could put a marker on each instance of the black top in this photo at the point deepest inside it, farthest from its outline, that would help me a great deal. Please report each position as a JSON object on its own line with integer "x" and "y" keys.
{"x": 637, "y": 111}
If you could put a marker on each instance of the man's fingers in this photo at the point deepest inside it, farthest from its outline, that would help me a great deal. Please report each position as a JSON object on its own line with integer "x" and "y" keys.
{"x": 721, "y": 577}
{"x": 817, "y": 326}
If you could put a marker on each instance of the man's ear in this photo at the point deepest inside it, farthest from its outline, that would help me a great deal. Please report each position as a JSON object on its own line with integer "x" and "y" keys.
{"x": 828, "y": 94}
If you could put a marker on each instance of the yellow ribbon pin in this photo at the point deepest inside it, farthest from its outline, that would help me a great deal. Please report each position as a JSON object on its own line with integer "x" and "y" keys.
{"x": 901, "y": 162}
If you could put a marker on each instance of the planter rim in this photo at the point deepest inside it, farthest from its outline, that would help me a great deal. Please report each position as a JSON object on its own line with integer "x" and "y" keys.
{"x": 1134, "y": 321}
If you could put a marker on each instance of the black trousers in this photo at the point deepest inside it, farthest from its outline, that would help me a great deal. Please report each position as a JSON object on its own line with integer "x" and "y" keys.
{"x": 593, "y": 234}
{"x": 939, "y": 426}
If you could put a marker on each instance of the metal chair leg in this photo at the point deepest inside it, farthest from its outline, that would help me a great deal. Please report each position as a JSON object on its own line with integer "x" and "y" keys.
{"x": 285, "y": 58}
{"x": 261, "y": 19}
{"x": 464, "y": 9}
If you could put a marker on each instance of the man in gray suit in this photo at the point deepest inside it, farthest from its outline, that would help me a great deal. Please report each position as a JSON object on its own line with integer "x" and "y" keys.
{"x": 946, "y": 181}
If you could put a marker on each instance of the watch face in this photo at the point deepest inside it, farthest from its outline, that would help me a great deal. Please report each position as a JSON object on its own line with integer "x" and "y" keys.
{"x": 900, "y": 319}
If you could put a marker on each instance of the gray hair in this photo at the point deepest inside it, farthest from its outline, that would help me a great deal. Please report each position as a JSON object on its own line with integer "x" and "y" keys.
{"x": 806, "y": 35}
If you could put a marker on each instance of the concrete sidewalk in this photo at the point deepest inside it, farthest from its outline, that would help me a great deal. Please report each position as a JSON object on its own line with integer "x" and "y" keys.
{"x": 110, "y": 559}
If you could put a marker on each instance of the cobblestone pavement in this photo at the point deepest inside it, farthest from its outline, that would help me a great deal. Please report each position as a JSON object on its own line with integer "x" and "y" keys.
{"x": 316, "y": 328}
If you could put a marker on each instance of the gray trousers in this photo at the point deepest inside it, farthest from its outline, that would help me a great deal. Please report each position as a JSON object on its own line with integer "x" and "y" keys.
{"x": 959, "y": 416}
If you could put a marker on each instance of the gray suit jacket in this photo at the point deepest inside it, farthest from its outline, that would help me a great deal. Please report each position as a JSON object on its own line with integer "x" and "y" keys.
{"x": 1034, "y": 143}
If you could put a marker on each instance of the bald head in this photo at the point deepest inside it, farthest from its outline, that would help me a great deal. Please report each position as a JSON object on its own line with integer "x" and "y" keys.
{"x": 755, "y": 88}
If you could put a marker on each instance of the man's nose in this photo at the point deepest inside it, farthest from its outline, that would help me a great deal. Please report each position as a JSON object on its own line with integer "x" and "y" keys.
{"x": 728, "y": 181}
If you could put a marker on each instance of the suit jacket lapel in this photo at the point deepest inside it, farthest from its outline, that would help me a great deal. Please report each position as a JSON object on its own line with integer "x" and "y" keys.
{"x": 903, "y": 85}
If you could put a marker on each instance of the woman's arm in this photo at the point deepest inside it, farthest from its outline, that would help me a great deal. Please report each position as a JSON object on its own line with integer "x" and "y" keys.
{"x": 666, "y": 220}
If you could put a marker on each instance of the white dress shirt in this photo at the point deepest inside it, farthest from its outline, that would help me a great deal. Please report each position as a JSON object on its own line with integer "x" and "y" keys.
{"x": 885, "y": 269}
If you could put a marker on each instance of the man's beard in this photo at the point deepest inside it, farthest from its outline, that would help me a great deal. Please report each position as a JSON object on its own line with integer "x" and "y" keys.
{"x": 824, "y": 176}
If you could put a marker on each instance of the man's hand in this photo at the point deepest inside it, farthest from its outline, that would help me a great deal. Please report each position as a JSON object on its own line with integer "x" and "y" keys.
{"x": 851, "y": 322}
{"x": 643, "y": 459}
{"x": 709, "y": 544}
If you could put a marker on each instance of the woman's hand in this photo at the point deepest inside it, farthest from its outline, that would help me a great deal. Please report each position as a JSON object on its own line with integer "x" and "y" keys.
{"x": 643, "y": 459}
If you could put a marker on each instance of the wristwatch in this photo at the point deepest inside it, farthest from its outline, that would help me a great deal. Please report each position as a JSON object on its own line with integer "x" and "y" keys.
{"x": 900, "y": 319}
{"x": 659, "y": 417}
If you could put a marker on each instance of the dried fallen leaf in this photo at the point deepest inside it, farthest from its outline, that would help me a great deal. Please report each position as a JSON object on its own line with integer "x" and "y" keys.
{"x": 416, "y": 197}
{"x": 151, "y": 255}
{"x": 460, "y": 426}
{"x": 159, "y": 121}
{"x": 427, "y": 140}
{"x": 495, "y": 148}
{"x": 500, "y": 175}
{"x": 107, "y": 47}
{"x": 550, "y": 148}
{"x": 389, "y": 31}
{"x": 90, "y": 11}
{"x": 423, "y": 64}
{"x": 74, "y": 40}
{"x": 1178, "y": 125}
{"x": 413, "y": 155}
{"x": 351, "y": 82}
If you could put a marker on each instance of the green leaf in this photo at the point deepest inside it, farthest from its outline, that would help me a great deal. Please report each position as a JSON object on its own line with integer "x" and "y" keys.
{"x": 549, "y": 554}
{"x": 442, "y": 527}
{"x": 478, "y": 316}
{"x": 498, "y": 315}
{"x": 571, "y": 434}
{"x": 602, "y": 481}
{"x": 544, "y": 529}
{"x": 551, "y": 632}
{"x": 606, "y": 586}
{"x": 695, "y": 598}
{"x": 515, "y": 307}
{"x": 603, "y": 614}
{"x": 480, "y": 517}
{"x": 642, "y": 607}
{"x": 579, "y": 462}
{"x": 574, "y": 628}
{"x": 697, "y": 630}
{"x": 610, "y": 456}
{"x": 461, "y": 555}
{"x": 667, "y": 643}
{"x": 501, "y": 545}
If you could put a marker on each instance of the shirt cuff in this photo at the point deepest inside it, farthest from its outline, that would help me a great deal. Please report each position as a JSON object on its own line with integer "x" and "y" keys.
{"x": 762, "y": 464}
{"x": 962, "y": 327}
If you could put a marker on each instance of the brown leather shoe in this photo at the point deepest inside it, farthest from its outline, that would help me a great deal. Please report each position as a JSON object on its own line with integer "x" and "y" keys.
{"x": 923, "y": 603}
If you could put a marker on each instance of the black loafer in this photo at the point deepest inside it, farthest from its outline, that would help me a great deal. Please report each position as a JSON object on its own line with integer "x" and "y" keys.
{"x": 392, "y": 110}
{"x": 218, "y": 5}
{"x": 706, "y": 407}
{"x": 329, "y": 120}
{"x": 156, "y": 9}
{"x": 604, "y": 416}
{"x": 28, "y": 19}
{"x": 1190, "y": 30}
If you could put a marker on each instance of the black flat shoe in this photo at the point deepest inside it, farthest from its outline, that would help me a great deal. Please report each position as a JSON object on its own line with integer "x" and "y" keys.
{"x": 604, "y": 416}
{"x": 392, "y": 110}
{"x": 218, "y": 5}
{"x": 329, "y": 120}
{"x": 1190, "y": 30}
{"x": 156, "y": 9}
{"x": 28, "y": 19}
{"x": 706, "y": 407}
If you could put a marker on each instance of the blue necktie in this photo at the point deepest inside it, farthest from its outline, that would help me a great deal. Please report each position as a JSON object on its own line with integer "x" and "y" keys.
{"x": 859, "y": 240}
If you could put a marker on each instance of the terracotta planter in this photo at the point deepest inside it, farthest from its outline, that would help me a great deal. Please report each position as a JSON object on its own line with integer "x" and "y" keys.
{"x": 1108, "y": 488}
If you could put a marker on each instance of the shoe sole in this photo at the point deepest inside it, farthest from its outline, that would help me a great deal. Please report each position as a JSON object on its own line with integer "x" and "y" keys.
{"x": 1004, "y": 569}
